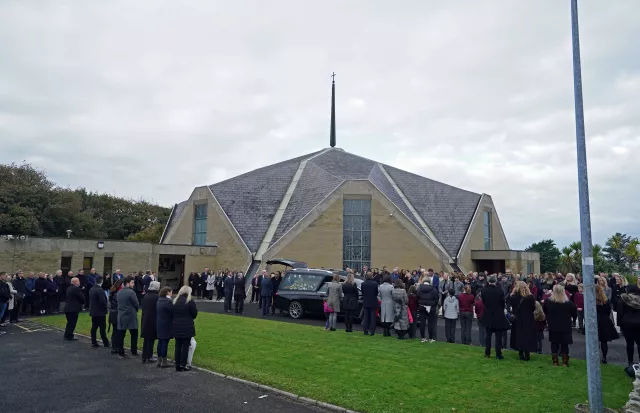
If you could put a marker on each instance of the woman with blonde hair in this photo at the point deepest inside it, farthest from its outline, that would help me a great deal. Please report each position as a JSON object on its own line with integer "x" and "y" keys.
{"x": 334, "y": 296}
{"x": 184, "y": 312}
{"x": 560, "y": 312}
{"x": 524, "y": 337}
{"x": 606, "y": 330}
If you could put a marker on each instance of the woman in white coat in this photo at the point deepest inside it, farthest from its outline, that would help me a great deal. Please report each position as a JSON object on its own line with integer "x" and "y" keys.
{"x": 211, "y": 285}
{"x": 387, "y": 310}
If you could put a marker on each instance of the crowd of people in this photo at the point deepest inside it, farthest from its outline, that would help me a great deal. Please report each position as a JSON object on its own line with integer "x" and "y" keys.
{"x": 163, "y": 318}
{"x": 409, "y": 302}
{"x": 528, "y": 306}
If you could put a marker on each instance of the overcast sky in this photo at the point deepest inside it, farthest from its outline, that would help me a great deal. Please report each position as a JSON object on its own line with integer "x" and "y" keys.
{"x": 149, "y": 99}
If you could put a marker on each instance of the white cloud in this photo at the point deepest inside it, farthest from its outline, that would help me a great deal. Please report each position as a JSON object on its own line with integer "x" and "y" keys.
{"x": 149, "y": 99}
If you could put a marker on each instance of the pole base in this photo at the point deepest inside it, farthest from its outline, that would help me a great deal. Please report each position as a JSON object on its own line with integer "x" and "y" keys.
{"x": 584, "y": 408}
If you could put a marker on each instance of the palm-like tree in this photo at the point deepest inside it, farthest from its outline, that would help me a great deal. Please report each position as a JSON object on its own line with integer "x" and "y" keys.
{"x": 632, "y": 252}
{"x": 567, "y": 260}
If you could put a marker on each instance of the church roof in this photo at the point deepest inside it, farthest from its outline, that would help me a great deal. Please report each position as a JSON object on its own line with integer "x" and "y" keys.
{"x": 251, "y": 200}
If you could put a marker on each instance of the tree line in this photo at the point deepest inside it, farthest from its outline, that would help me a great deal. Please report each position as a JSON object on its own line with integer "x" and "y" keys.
{"x": 619, "y": 254}
{"x": 31, "y": 204}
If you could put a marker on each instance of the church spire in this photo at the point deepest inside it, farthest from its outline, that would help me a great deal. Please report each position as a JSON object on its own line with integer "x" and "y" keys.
{"x": 332, "y": 137}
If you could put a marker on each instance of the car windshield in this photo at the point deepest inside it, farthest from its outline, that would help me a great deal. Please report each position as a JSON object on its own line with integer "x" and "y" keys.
{"x": 301, "y": 282}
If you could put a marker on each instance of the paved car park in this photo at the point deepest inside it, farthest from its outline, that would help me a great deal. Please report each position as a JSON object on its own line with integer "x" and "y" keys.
{"x": 45, "y": 374}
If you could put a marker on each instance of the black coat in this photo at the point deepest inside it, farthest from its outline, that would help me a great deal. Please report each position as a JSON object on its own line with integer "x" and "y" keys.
{"x": 428, "y": 295}
{"x": 350, "y": 298}
{"x": 493, "y": 316}
{"x": 138, "y": 284}
{"x": 266, "y": 287}
{"x": 75, "y": 300}
{"x": 40, "y": 285}
{"x": 629, "y": 310}
{"x": 113, "y": 308}
{"x": 276, "y": 283}
{"x": 523, "y": 333}
{"x": 164, "y": 318}
{"x": 97, "y": 302}
{"x": 559, "y": 319}
{"x": 5, "y": 292}
{"x": 239, "y": 291}
{"x": 369, "y": 290}
{"x": 149, "y": 312}
{"x": 606, "y": 330}
{"x": 18, "y": 284}
{"x": 183, "y": 315}
{"x": 106, "y": 283}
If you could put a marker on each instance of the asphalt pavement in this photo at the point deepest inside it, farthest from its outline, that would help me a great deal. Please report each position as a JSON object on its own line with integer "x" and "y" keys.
{"x": 617, "y": 349}
{"x": 43, "y": 373}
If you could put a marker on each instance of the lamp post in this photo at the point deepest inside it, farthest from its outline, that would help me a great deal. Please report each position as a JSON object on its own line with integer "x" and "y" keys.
{"x": 594, "y": 381}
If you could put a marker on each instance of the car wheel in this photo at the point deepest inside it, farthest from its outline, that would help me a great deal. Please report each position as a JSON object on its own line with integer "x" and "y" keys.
{"x": 295, "y": 310}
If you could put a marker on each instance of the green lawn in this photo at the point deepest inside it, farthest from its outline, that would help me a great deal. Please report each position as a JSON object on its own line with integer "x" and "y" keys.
{"x": 381, "y": 374}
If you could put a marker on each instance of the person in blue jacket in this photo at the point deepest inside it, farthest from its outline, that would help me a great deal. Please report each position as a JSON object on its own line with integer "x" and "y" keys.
{"x": 30, "y": 288}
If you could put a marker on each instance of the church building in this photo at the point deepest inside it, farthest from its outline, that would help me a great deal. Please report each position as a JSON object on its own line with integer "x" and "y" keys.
{"x": 334, "y": 209}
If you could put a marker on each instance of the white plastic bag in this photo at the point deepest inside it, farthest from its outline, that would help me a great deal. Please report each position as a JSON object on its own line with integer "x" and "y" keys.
{"x": 192, "y": 349}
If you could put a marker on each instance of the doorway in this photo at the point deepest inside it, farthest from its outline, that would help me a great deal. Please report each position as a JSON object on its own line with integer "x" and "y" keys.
{"x": 170, "y": 270}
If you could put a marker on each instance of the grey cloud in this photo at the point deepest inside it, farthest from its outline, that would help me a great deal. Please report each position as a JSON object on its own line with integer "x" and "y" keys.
{"x": 149, "y": 99}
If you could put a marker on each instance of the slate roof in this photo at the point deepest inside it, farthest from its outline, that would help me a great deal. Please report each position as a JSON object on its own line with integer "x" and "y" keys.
{"x": 175, "y": 214}
{"x": 251, "y": 200}
{"x": 445, "y": 209}
{"x": 314, "y": 185}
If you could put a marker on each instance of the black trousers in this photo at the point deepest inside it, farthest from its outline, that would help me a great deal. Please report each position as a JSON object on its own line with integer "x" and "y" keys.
{"x": 17, "y": 309}
{"x": 239, "y": 303}
{"x": 450, "y": 329}
{"x": 498, "y": 333}
{"x": 86, "y": 297}
{"x": 369, "y": 320}
{"x": 147, "y": 348}
{"x": 631, "y": 336}
{"x": 349, "y": 315}
{"x": 227, "y": 300}
{"x": 219, "y": 293}
{"x": 255, "y": 294}
{"x": 119, "y": 341}
{"x": 39, "y": 302}
{"x": 99, "y": 322}
{"x": 52, "y": 303}
{"x": 72, "y": 320}
{"x": 181, "y": 352}
{"x": 564, "y": 348}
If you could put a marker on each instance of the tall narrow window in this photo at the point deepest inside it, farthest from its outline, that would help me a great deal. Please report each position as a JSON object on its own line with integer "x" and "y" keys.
{"x": 356, "y": 233}
{"x": 200, "y": 225}
{"x": 487, "y": 230}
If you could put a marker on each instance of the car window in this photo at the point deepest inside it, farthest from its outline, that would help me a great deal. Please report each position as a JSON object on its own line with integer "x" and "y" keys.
{"x": 301, "y": 282}
{"x": 324, "y": 288}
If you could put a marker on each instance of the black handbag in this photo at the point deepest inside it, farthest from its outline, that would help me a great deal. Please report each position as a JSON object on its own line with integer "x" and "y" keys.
{"x": 512, "y": 317}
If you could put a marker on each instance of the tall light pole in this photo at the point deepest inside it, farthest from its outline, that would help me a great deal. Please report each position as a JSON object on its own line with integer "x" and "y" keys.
{"x": 591, "y": 324}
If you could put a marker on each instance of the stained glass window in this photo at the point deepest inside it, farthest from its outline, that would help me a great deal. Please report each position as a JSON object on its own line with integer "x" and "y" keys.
{"x": 356, "y": 233}
{"x": 200, "y": 225}
{"x": 487, "y": 230}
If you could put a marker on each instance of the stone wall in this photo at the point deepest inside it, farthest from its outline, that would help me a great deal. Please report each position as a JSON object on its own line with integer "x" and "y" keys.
{"x": 45, "y": 254}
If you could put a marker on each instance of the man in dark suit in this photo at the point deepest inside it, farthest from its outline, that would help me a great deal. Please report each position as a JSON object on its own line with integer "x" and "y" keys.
{"x": 73, "y": 306}
{"x": 239, "y": 293}
{"x": 369, "y": 290}
{"x": 493, "y": 316}
{"x": 228, "y": 292}
{"x": 98, "y": 311}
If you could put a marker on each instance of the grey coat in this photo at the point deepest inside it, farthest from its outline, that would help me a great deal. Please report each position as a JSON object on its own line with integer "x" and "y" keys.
{"x": 401, "y": 317}
{"x": 334, "y": 295}
{"x": 386, "y": 303}
{"x": 127, "y": 309}
{"x": 451, "y": 308}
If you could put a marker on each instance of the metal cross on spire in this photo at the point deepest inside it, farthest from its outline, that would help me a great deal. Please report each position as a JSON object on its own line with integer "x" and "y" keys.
{"x": 333, "y": 77}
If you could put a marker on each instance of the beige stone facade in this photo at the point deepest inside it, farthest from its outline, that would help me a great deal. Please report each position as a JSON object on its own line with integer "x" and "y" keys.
{"x": 395, "y": 241}
{"x": 230, "y": 249}
{"x": 51, "y": 254}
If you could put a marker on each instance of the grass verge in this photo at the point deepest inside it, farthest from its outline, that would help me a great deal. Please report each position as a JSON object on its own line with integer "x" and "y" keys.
{"x": 381, "y": 374}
